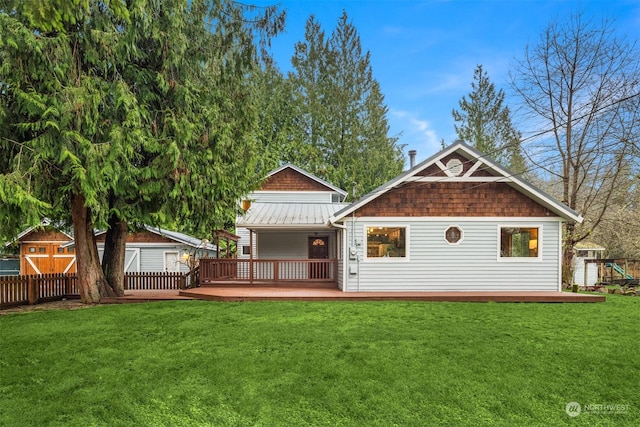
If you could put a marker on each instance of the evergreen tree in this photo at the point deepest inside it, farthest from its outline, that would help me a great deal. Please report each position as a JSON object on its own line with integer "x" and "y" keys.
{"x": 279, "y": 125}
{"x": 342, "y": 110}
{"x": 485, "y": 122}
{"x": 308, "y": 90}
{"x": 114, "y": 116}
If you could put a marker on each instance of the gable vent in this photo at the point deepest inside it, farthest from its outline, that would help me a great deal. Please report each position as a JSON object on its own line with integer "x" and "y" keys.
{"x": 454, "y": 166}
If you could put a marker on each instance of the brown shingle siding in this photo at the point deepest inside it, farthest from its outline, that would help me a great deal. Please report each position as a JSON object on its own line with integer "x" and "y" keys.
{"x": 458, "y": 199}
{"x": 432, "y": 170}
{"x": 292, "y": 180}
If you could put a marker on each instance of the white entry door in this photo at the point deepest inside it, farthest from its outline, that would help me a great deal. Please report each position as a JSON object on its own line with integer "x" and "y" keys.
{"x": 172, "y": 262}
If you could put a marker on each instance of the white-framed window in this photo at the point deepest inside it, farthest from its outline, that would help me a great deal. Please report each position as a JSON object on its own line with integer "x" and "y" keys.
{"x": 517, "y": 243}
{"x": 453, "y": 235}
{"x": 387, "y": 242}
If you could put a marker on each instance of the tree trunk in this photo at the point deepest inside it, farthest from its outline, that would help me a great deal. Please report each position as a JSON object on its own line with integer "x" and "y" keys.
{"x": 91, "y": 281}
{"x": 113, "y": 259}
{"x": 567, "y": 254}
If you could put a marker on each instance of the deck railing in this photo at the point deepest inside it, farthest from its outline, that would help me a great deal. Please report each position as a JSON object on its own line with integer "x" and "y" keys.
{"x": 215, "y": 270}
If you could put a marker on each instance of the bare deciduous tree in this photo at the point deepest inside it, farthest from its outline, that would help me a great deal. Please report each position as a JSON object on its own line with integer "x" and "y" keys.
{"x": 581, "y": 85}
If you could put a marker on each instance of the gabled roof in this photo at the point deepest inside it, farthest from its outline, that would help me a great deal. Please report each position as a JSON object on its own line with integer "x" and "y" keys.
{"x": 173, "y": 235}
{"x": 181, "y": 238}
{"x": 308, "y": 175}
{"x": 289, "y": 215}
{"x": 588, "y": 246}
{"x": 501, "y": 174}
{"x": 43, "y": 224}
{"x": 176, "y": 236}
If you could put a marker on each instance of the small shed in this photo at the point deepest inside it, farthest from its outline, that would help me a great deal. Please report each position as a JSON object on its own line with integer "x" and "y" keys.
{"x": 44, "y": 250}
{"x": 586, "y": 251}
{"x": 154, "y": 249}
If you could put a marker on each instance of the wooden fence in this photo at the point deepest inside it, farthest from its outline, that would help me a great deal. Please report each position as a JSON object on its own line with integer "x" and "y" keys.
{"x": 156, "y": 280}
{"x": 621, "y": 271}
{"x": 34, "y": 289}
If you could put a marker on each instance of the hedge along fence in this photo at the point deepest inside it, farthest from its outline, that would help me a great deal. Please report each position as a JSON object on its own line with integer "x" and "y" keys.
{"x": 34, "y": 289}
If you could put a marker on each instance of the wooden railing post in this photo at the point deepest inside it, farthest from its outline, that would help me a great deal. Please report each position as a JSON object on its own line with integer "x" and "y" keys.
{"x": 33, "y": 291}
{"x": 276, "y": 273}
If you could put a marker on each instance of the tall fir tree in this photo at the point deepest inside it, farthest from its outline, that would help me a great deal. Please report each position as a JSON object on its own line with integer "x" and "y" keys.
{"x": 342, "y": 110}
{"x": 485, "y": 122}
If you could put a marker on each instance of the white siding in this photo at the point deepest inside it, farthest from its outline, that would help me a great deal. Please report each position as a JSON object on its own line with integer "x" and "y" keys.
{"x": 152, "y": 258}
{"x": 243, "y": 233}
{"x": 472, "y": 265}
{"x": 292, "y": 197}
{"x": 285, "y": 245}
{"x": 281, "y": 244}
{"x": 578, "y": 275}
{"x": 131, "y": 258}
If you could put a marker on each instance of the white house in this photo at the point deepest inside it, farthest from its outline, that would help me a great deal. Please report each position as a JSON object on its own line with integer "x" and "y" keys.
{"x": 457, "y": 221}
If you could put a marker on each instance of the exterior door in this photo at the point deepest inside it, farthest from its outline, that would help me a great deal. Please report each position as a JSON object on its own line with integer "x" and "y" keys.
{"x": 47, "y": 258}
{"x": 171, "y": 262}
{"x": 318, "y": 250}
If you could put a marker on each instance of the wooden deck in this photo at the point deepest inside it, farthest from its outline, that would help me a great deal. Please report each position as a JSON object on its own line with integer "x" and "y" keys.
{"x": 271, "y": 293}
{"x": 145, "y": 296}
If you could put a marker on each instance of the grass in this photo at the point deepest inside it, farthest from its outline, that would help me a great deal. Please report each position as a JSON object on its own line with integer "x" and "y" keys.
{"x": 192, "y": 363}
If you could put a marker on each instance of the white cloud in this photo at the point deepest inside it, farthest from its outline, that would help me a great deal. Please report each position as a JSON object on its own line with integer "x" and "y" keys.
{"x": 416, "y": 133}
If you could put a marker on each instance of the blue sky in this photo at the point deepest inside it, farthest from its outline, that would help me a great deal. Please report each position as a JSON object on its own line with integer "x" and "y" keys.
{"x": 424, "y": 53}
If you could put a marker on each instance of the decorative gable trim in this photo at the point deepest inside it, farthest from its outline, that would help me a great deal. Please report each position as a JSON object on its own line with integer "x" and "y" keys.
{"x": 476, "y": 168}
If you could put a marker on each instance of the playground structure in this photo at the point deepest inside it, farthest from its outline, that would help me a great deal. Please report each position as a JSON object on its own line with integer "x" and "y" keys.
{"x": 624, "y": 272}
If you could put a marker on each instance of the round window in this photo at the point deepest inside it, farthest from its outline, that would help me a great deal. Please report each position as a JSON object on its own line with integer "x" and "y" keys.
{"x": 453, "y": 235}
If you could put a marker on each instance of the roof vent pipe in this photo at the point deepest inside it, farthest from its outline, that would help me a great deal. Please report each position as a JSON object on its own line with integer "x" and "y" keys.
{"x": 412, "y": 158}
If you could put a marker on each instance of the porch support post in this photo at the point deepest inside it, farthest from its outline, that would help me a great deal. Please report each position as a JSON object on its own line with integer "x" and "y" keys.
{"x": 217, "y": 245}
{"x": 251, "y": 256}
{"x": 335, "y": 257}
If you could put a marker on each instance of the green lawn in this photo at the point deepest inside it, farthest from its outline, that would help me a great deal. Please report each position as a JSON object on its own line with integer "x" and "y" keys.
{"x": 191, "y": 363}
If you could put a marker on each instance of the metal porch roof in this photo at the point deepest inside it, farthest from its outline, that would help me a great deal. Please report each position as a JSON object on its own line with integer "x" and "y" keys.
{"x": 291, "y": 215}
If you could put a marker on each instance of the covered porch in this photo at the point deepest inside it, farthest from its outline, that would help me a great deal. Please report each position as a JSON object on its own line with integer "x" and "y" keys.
{"x": 281, "y": 244}
{"x": 274, "y": 272}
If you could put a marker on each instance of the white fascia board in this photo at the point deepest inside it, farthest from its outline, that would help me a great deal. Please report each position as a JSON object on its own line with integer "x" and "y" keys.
{"x": 457, "y": 219}
{"x": 288, "y": 227}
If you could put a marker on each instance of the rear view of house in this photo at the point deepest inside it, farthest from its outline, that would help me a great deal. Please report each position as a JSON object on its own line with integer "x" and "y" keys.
{"x": 457, "y": 221}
